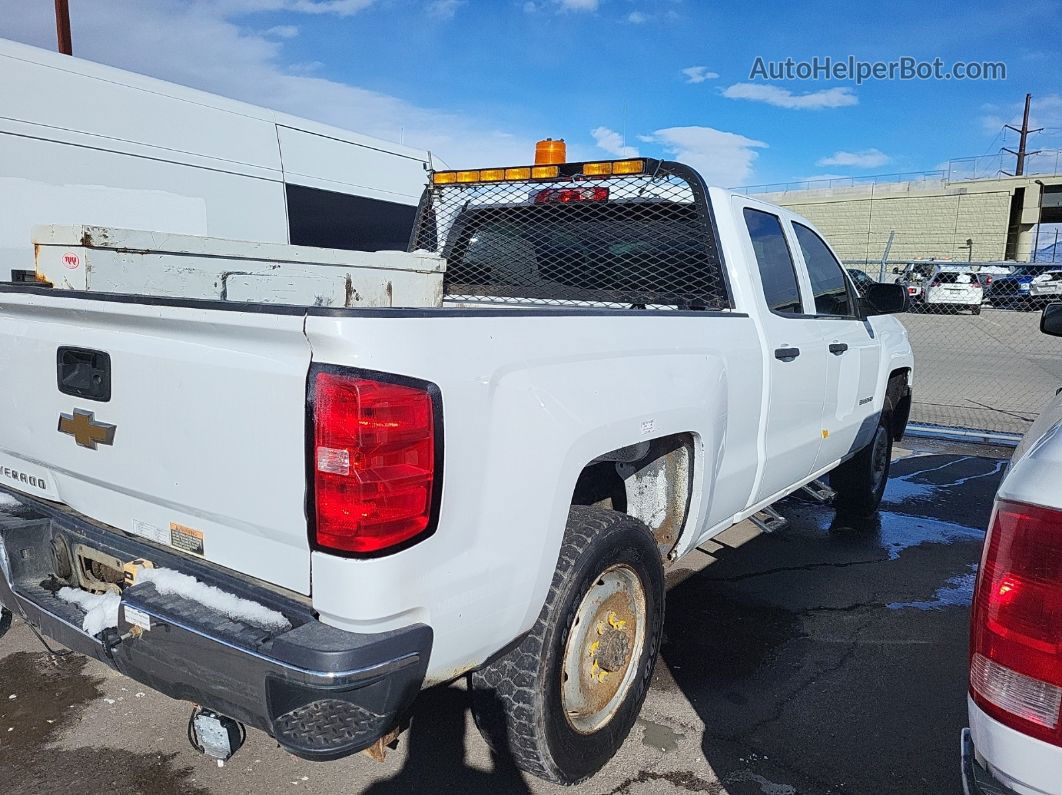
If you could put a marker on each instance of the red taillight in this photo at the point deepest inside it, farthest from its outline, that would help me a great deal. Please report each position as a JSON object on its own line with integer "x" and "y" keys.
{"x": 1016, "y": 637}
{"x": 912, "y": 290}
{"x": 569, "y": 195}
{"x": 373, "y": 460}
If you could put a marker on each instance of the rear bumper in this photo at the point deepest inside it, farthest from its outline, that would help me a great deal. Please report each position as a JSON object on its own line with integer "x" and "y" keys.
{"x": 323, "y": 693}
{"x": 1012, "y": 762}
{"x": 976, "y": 779}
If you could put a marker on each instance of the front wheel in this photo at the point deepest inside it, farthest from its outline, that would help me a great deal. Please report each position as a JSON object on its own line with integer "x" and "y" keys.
{"x": 565, "y": 698}
{"x": 860, "y": 481}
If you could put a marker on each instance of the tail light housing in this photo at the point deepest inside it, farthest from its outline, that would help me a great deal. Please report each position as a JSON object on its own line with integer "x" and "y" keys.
{"x": 1016, "y": 633}
{"x": 375, "y": 461}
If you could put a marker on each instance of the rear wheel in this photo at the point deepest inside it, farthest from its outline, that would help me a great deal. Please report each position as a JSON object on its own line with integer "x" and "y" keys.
{"x": 976, "y": 309}
{"x": 565, "y": 698}
{"x": 860, "y": 481}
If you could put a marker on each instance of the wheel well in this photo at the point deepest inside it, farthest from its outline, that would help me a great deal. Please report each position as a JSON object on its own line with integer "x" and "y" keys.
{"x": 651, "y": 481}
{"x": 898, "y": 401}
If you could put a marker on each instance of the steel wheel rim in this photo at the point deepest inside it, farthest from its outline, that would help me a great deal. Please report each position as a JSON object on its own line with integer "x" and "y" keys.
{"x": 604, "y": 647}
{"x": 879, "y": 456}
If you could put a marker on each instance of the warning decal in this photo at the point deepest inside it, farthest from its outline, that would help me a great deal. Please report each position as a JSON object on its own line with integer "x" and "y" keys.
{"x": 186, "y": 539}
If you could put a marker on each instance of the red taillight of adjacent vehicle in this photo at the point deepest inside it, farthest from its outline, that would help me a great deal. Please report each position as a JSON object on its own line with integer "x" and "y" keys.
{"x": 1016, "y": 635}
{"x": 374, "y": 462}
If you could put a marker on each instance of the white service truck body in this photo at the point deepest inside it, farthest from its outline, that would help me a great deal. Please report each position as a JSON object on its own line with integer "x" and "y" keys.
{"x": 542, "y": 387}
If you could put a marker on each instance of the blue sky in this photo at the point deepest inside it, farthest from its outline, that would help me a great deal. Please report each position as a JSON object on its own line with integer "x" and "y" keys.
{"x": 478, "y": 82}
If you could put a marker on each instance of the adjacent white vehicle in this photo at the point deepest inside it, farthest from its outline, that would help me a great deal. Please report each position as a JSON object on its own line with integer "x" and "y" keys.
{"x": 950, "y": 290}
{"x": 83, "y": 143}
{"x": 623, "y": 364}
{"x": 1014, "y": 743}
{"x": 1046, "y": 287}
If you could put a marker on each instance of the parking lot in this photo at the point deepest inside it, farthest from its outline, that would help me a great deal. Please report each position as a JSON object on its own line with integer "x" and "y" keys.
{"x": 994, "y": 371}
{"x": 827, "y": 658}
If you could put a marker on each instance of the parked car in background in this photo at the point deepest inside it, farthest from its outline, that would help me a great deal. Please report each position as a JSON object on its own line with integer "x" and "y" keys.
{"x": 948, "y": 290}
{"x": 1046, "y": 287}
{"x": 1014, "y": 291}
{"x": 1014, "y": 743}
{"x": 861, "y": 280}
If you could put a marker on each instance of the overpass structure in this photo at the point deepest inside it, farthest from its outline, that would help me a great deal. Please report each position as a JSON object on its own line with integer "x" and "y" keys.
{"x": 957, "y": 213}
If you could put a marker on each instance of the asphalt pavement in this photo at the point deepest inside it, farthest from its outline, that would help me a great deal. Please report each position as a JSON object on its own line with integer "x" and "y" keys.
{"x": 827, "y": 658}
{"x": 993, "y": 371}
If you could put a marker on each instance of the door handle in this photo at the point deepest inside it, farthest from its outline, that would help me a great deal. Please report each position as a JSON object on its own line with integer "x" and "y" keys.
{"x": 786, "y": 354}
{"x": 837, "y": 348}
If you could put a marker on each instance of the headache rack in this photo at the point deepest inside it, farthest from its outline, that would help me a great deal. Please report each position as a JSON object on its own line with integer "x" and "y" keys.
{"x": 642, "y": 240}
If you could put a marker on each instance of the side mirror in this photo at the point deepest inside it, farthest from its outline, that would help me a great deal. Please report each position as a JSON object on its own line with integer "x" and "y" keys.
{"x": 897, "y": 269}
{"x": 1051, "y": 320}
{"x": 888, "y": 299}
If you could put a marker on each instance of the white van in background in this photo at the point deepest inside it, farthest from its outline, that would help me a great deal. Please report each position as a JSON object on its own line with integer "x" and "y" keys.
{"x": 83, "y": 143}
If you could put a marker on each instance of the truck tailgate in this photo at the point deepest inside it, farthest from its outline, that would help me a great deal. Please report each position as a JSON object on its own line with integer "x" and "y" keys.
{"x": 200, "y": 443}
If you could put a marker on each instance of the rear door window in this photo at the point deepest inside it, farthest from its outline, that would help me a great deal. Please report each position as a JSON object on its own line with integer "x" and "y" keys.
{"x": 777, "y": 272}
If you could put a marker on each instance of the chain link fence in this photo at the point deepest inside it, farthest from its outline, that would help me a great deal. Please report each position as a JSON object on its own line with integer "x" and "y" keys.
{"x": 980, "y": 359}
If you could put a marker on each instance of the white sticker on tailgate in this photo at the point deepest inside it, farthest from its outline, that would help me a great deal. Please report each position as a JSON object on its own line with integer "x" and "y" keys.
{"x": 149, "y": 531}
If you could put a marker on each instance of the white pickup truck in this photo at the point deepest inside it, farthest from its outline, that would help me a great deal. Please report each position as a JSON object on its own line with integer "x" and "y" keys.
{"x": 623, "y": 364}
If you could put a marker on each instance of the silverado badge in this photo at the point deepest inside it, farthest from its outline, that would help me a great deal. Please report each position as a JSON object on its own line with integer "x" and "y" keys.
{"x": 86, "y": 431}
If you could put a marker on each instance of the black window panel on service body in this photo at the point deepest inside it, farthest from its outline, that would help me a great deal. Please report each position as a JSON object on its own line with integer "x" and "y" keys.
{"x": 327, "y": 219}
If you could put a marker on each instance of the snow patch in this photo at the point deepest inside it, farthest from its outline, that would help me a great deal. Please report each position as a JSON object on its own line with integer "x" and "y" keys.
{"x": 101, "y": 610}
{"x": 169, "y": 582}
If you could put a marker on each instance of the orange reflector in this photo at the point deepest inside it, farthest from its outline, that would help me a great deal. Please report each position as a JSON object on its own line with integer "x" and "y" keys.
{"x": 544, "y": 172}
{"x": 597, "y": 169}
{"x": 518, "y": 173}
{"x": 444, "y": 177}
{"x": 548, "y": 152}
{"x": 628, "y": 167}
{"x": 468, "y": 176}
{"x": 492, "y": 174}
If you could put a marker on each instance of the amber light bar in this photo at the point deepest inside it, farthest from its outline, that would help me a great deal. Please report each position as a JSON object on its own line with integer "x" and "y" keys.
{"x": 520, "y": 173}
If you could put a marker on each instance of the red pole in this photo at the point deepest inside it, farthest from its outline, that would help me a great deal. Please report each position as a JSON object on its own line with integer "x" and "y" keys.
{"x": 62, "y": 26}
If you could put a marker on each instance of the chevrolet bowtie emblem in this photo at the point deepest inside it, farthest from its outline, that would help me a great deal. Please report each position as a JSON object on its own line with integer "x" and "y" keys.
{"x": 86, "y": 431}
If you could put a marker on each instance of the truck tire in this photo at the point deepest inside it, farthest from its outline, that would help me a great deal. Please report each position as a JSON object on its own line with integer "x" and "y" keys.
{"x": 562, "y": 701}
{"x": 860, "y": 481}
{"x": 5, "y": 621}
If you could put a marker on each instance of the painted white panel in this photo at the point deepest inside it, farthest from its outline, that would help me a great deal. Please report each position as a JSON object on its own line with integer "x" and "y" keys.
{"x": 46, "y": 183}
{"x": 331, "y": 164}
{"x": 66, "y": 98}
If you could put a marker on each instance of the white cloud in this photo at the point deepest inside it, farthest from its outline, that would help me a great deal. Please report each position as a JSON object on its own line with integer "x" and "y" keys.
{"x": 698, "y": 74}
{"x": 444, "y": 9}
{"x": 722, "y": 158}
{"x": 199, "y": 45}
{"x": 578, "y": 5}
{"x": 868, "y": 158}
{"x": 784, "y": 98}
{"x": 282, "y": 32}
{"x": 612, "y": 142}
{"x": 637, "y": 18}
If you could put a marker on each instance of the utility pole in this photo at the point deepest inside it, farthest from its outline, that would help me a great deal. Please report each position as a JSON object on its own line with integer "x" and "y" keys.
{"x": 62, "y": 27}
{"x": 1021, "y": 154}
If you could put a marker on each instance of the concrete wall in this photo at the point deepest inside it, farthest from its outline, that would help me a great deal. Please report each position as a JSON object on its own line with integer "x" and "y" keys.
{"x": 935, "y": 220}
